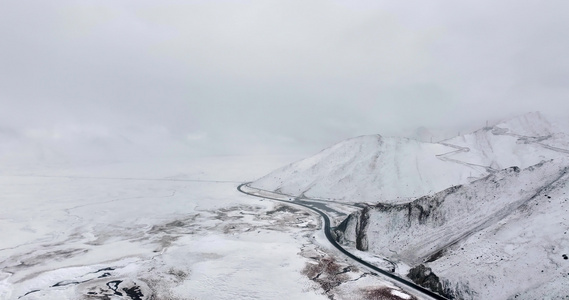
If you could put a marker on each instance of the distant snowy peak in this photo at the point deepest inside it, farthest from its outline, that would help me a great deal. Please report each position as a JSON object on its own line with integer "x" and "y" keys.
{"x": 522, "y": 141}
{"x": 530, "y": 124}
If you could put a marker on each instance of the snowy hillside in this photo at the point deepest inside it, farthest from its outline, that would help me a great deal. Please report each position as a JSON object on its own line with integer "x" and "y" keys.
{"x": 480, "y": 236}
{"x": 479, "y": 216}
{"x": 522, "y": 141}
{"x": 464, "y": 209}
{"x": 524, "y": 256}
{"x": 370, "y": 168}
{"x": 392, "y": 170}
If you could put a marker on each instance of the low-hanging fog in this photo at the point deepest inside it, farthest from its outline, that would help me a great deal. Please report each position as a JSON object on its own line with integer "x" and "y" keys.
{"x": 235, "y": 77}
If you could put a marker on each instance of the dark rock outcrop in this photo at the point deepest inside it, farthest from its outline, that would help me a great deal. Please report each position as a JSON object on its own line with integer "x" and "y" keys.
{"x": 425, "y": 277}
{"x": 361, "y": 230}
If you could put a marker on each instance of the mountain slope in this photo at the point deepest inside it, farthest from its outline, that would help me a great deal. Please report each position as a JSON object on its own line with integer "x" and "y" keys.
{"x": 393, "y": 170}
{"x": 524, "y": 256}
{"x": 483, "y": 215}
{"x": 419, "y": 229}
{"x": 370, "y": 168}
{"x": 479, "y": 237}
{"x": 522, "y": 141}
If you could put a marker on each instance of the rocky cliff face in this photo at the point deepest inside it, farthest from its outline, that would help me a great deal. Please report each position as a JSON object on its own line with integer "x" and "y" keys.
{"x": 425, "y": 277}
{"x": 349, "y": 231}
{"x": 353, "y": 230}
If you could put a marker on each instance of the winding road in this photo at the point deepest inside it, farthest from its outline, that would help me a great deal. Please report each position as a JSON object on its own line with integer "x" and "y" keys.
{"x": 320, "y": 207}
{"x": 498, "y": 131}
{"x": 460, "y": 149}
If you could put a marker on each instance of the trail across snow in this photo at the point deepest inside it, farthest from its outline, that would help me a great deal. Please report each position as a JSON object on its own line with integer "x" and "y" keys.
{"x": 459, "y": 149}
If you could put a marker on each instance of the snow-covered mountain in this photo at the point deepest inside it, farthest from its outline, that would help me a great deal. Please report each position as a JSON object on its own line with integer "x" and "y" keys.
{"x": 370, "y": 168}
{"x": 483, "y": 215}
{"x": 522, "y": 141}
{"x": 484, "y": 238}
{"x": 392, "y": 170}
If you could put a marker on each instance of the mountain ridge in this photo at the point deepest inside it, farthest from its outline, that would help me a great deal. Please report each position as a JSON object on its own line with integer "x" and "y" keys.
{"x": 494, "y": 228}
{"x": 395, "y": 169}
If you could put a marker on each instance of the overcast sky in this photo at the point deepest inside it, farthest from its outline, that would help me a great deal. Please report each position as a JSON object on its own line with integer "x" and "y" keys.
{"x": 276, "y": 76}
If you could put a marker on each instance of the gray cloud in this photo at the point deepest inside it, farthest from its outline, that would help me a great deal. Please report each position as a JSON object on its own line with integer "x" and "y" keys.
{"x": 276, "y": 76}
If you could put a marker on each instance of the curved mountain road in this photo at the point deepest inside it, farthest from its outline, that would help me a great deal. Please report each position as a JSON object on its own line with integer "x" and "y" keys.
{"x": 327, "y": 231}
{"x": 460, "y": 149}
{"x": 538, "y": 140}
{"x": 530, "y": 139}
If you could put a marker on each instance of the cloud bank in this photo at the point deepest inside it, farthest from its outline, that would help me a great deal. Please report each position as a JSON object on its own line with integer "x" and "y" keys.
{"x": 233, "y": 77}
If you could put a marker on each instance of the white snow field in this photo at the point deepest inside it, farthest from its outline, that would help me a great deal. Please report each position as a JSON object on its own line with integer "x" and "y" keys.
{"x": 163, "y": 229}
{"x": 485, "y": 213}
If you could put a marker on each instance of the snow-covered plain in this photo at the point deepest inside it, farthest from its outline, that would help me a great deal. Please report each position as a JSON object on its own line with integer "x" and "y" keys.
{"x": 163, "y": 229}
